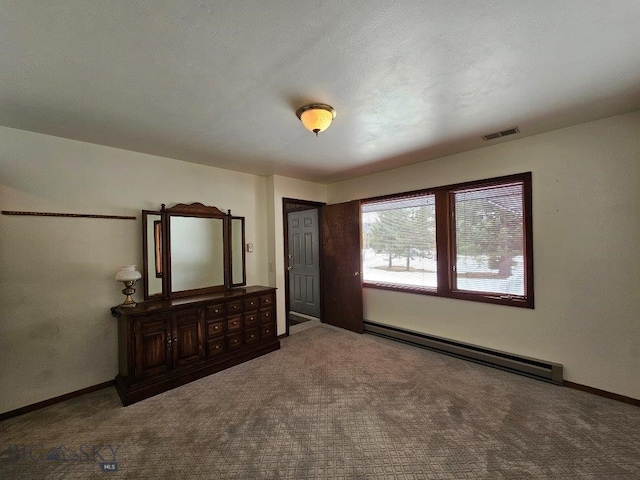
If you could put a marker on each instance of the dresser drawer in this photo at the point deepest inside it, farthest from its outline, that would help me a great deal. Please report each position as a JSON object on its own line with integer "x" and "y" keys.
{"x": 215, "y": 328}
{"x": 266, "y": 300}
{"x": 266, "y": 316}
{"x": 214, "y": 311}
{"x": 234, "y": 324}
{"x": 234, "y": 307}
{"x": 215, "y": 347}
{"x": 251, "y": 336}
{"x": 251, "y": 303}
{"x": 234, "y": 341}
{"x": 250, "y": 319}
{"x": 268, "y": 331}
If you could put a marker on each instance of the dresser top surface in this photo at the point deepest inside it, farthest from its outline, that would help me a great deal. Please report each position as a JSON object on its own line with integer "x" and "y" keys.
{"x": 196, "y": 300}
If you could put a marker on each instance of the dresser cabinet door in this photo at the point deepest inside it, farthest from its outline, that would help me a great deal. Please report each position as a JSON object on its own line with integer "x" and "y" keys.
{"x": 188, "y": 339}
{"x": 152, "y": 343}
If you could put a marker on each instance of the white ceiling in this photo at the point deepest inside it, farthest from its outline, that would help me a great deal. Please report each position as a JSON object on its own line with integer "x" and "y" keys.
{"x": 218, "y": 82}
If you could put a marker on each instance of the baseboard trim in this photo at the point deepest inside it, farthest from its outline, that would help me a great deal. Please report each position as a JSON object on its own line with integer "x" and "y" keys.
{"x": 52, "y": 401}
{"x": 602, "y": 393}
{"x": 519, "y": 364}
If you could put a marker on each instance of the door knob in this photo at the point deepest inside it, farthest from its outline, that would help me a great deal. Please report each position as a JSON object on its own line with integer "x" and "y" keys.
{"x": 289, "y": 268}
{"x": 355, "y": 274}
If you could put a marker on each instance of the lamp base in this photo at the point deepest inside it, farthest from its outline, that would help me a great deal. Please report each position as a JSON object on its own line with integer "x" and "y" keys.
{"x": 128, "y": 291}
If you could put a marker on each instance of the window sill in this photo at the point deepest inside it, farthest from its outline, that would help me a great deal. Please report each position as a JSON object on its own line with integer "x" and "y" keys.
{"x": 401, "y": 288}
{"x": 508, "y": 300}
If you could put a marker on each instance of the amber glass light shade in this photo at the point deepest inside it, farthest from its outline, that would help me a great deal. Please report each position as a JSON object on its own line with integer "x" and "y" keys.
{"x": 316, "y": 117}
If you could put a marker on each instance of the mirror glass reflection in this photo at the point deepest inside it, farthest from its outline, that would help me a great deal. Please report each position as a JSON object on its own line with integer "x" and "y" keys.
{"x": 197, "y": 252}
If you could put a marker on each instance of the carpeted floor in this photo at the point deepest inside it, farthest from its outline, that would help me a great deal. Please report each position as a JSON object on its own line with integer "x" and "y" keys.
{"x": 334, "y": 405}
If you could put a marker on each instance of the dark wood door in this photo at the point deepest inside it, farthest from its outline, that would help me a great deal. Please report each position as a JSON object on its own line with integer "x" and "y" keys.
{"x": 304, "y": 262}
{"x": 341, "y": 277}
{"x": 187, "y": 337}
{"x": 152, "y": 345}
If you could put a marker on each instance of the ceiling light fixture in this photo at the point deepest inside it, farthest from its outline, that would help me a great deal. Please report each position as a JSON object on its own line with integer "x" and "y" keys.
{"x": 316, "y": 117}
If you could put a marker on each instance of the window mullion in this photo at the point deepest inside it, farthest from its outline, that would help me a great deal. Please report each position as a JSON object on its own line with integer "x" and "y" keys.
{"x": 443, "y": 243}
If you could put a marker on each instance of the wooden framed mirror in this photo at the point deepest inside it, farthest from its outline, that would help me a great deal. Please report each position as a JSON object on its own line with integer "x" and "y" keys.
{"x": 237, "y": 251}
{"x": 191, "y": 249}
{"x": 152, "y": 254}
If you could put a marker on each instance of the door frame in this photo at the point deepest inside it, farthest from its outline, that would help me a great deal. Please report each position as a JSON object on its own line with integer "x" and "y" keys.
{"x": 295, "y": 205}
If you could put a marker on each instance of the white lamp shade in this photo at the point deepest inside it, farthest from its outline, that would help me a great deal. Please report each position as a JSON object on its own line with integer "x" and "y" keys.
{"x": 128, "y": 273}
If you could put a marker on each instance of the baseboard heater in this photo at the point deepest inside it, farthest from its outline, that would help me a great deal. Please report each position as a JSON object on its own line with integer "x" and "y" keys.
{"x": 530, "y": 367}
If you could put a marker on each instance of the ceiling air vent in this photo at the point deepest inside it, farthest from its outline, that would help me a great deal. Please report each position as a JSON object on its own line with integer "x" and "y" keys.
{"x": 503, "y": 133}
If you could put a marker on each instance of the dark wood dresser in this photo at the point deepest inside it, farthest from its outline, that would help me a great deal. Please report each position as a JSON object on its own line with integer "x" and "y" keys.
{"x": 167, "y": 343}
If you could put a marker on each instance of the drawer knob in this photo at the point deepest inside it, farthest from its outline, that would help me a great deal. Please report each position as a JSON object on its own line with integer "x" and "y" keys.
{"x": 217, "y": 347}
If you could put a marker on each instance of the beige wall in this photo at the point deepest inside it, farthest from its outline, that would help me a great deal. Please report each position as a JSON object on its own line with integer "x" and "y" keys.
{"x": 586, "y": 219}
{"x": 279, "y": 187}
{"x": 56, "y": 274}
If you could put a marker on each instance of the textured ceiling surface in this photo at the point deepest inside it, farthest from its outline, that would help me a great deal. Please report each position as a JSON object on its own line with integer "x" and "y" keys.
{"x": 218, "y": 82}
